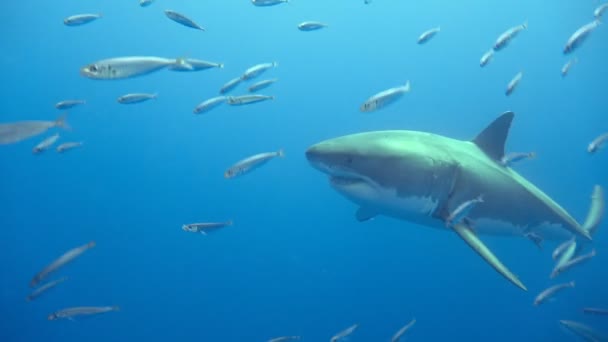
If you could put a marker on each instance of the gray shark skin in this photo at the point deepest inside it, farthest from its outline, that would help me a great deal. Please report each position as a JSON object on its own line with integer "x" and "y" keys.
{"x": 422, "y": 177}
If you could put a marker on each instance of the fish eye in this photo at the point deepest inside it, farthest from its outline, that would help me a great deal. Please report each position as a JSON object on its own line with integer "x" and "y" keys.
{"x": 93, "y": 68}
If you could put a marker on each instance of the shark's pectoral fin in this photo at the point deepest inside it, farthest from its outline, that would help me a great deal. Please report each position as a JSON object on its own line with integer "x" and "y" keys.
{"x": 473, "y": 241}
{"x": 365, "y": 214}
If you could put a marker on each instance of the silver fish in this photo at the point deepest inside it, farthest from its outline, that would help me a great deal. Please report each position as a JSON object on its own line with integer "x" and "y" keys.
{"x": 583, "y": 331}
{"x": 230, "y": 85}
{"x": 247, "y": 99}
{"x": 251, "y": 163}
{"x": 514, "y": 83}
{"x": 550, "y": 292}
{"x": 597, "y": 143}
{"x": 311, "y": 26}
{"x": 80, "y": 19}
{"x": 566, "y": 68}
{"x": 344, "y": 333}
{"x": 262, "y": 85}
{"x": 284, "y": 339}
{"x": 145, "y": 3}
{"x": 44, "y": 288}
{"x": 462, "y": 211}
{"x": 182, "y": 19}
{"x": 136, "y": 98}
{"x": 263, "y": 3}
{"x": 384, "y": 98}
{"x": 514, "y": 157}
{"x": 67, "y": 104}
{"x": 206, "y": 227}
{"x": 596, "y": 311}
{"x": 559, "y": 251}
{"x": 60, "y": 262}
{"x": 191, "y": 64}
{"x": 45, "y": 144}
{"x": 257, "y": 70}
{"x": 128, "y": 67}
{"x": 573, "y": 262}
{"x": 70, "y": 313}
{"x": 579, "y": 36}
{"x": 486, "y": 58}
{"x": 68, "y": 146}
{"x": 427, "y": 35}
{"x": 505, "y": 38}
{"x": 209, "y": 104}
{"x": 564, "y": 258}
{"x": 402, "y": 331}
{"x": 599, "y": 11}
{"x": 17, "y": 131}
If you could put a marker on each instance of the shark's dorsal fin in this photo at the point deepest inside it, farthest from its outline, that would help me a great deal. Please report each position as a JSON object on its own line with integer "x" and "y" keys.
{"x": 492, "y": 139}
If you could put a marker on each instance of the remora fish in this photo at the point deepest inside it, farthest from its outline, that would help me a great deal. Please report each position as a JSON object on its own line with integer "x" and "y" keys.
{"x": 80, "y": 19}
{"x": 128, "y": 67}
{"x": 505, "y": 38}
{"x": 344, "y": 333}
{"x": 514, "y": 83}
{"x": 402, "y": 331}
{"x": 384, "y": 98}
{"x": 311, "y": 26}
{"x": 264, "y": 3}
{"x": 514, "y": 157}
{"x": 17, "y": 131}
{"x": 70, "y": 313}
{"x": 251, "y": 163}
{"x": 44, "y": 288}
{"x": 67, "y": 104}
{"x": 462, "y": 211}
{"x": 423, "y": 177}
{"x": 428, "y": 35}
{"x": 550, "y": 292}
{"x": 206, "y": 227}
{"x": 183, "y": 20}
{"x": 583, "y": 331}
{"x": 60, "y": 262}
{"x": 209, "y": 104}
{"x": 579, "y": 36}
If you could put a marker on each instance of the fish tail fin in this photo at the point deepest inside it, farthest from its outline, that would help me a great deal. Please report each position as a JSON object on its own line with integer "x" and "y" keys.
{"x": 532, "y": 155}
{"x": 525, "y": 24}
{"x": 91, "y": 244}
{"x": 281, "y": 153}
{"x": 596, "y": 211}
{"x": 275, "y": 64}
{"x": 230, "y": 222}
{"x": 220, "y": 65}
{"x": 62, "y": 121}
{"x": 116, "y": 308}
{"x": 155, "y": 95}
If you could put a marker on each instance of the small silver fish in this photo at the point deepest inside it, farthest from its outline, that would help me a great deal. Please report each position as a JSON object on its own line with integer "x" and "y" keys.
{"x": 191, "y": 64}
{"x": 45, "y": 144}
{"x": 68, "y": 146}
{"x": 264, "y": 3}
{"x": 599, "y": 11}
{"x": 550, "y": 292}
{"x": 128, "y": 67}
{"x": 344, "y": 333}
{"x": 145, "y": 3}
{"x": 17, "y": 131}
{"x": 44, "y": 288}
{"x": 209, "y": 104}
{"x": 257, "y": 70}
{"x": 247, "y": 99}
{"x": 462, "y": 211}
{"x": 514, "y": 157}
{"x": 596, "y": 311}
{"x": 136, "y": 98}
{"x": 80, "y": 19}
{"x": 583, "y": 331}
{"x": 428, "y": 35}
{"x": 70, "y": 313}
{"x": 505, "y": 38}
{"x": 60, "y": 262}
{"x": 182, "y": 19}
{"x": 566, "y": 68}
{"x": 206, "y": 227}
{"x": 311, "y": 26}
{"x": 486, "y": 58}
{"x": 284, "y": 339}
{"x": 384, "y": 98}
{"x": 67, "y": 104}
{"x": 262, "y": 85}
{"x": 597, "y": 143}
{"x": 251, "y": 163}
{"x": 564, "y": 258}
{"x": 514, "y": 83}
{"x": 573, "y": 262}
{"x": 230, "y": 85}
{"x": 579, "y": 36}
{"x": 403, "y": 330}
{"x": 559, "y": 251}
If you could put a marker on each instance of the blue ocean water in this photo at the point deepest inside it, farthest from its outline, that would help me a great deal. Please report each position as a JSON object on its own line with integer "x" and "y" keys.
{"x": 296, "y": 262}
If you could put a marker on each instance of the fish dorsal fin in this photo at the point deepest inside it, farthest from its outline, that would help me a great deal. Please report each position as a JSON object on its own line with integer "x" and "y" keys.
{"x": 492, "y": 139}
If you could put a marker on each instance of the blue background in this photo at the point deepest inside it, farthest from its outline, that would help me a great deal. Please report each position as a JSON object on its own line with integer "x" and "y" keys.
{"x": 296, "y": 262}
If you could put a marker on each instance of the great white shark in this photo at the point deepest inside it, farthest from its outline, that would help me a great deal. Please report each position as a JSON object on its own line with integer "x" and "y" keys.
{"x": 423, "y": 177}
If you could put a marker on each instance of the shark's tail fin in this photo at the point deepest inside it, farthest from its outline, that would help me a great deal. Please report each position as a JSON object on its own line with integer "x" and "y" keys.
{"x": 596, "y": 211}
